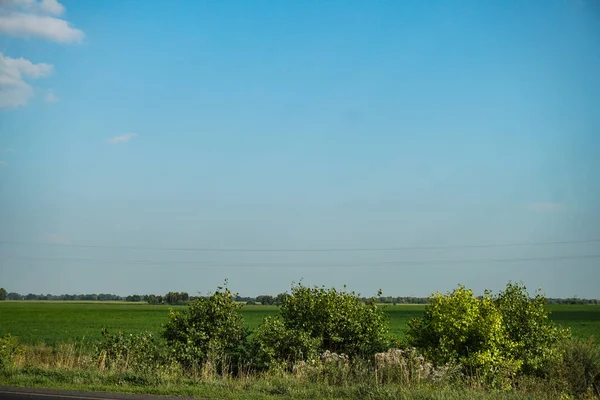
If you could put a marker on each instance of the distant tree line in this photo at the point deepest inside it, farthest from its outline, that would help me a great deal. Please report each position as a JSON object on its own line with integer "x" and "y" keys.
{"x": 401, "y": 300}
{"x": 74, "y": 297}
{"x": 182, "y": 298}
{"x": 172, "y": 298}
{"x": 573, "y": 300}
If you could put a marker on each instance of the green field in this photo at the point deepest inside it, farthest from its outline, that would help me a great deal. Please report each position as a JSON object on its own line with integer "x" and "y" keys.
{"x": 52, "y": 322}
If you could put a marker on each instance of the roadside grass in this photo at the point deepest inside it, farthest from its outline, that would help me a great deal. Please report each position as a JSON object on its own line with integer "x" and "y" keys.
{"x": 268, "y": 386}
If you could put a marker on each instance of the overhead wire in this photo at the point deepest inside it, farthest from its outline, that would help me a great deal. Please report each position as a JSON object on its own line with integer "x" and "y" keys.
{"x": 301, "y": 250}
{"x": 378, "y": 264}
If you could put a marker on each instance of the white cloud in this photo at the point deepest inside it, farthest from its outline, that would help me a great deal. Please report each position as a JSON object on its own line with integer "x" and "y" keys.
{"x": 56, "y": 238}
{"x": 51, "y": 97}
{"x": 52, "y": 7}
{"x": 545, "y": 206}
{"x": 14, "y": 91}
{"x": 122, "y": 139}
{"x": 32, "y": 18}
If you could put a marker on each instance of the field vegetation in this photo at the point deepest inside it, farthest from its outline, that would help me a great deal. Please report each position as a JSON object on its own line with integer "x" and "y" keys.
{"x": 320, "y": 343}
{"x": 53, "y": 322}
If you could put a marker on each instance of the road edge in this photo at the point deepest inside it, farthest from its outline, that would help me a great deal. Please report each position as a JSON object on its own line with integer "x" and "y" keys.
{"x": 84, "y": 395}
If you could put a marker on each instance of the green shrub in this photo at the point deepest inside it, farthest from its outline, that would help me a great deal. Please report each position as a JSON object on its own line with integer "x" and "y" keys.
{"x": 459, "y": 328}
{"x": 210, "y": 330}
{"x": 577, "y": 370}
{"x": 527, "y": 324}
{"x": 122, "y": 352}
{"x": 9, "y": 349}
{"x": 274, "y": 345}
{"x": 494, "y": 338}
{"x": 339, "y": 320}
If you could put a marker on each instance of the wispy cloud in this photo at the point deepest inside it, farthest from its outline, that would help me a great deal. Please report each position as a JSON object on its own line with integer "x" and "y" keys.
{"x": 545, "y": 206}
{"x": 14, "y": 90}
{"x": 51, "y": 97}
{"x": 56, "y": 238}
{"x": 122, "y": 139}
{"x": 33, "y": 18}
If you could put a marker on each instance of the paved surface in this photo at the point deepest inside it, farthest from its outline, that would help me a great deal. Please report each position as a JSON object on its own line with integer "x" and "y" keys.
{"x": 19, "y": 393}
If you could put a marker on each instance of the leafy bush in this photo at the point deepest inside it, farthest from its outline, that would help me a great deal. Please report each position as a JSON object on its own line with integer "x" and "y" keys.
{"x": 491, "y": 338}
{"x": 210, "y": 330}
{"x": 276, "y": 345}
{"x": 339, "y": 320}
{"x": 140, "y": 353}
{"x": 9, "y": 349}
{"x": 527, "y": 324}
{"x": 577, "y": 370}
{"x": 460, "y": 328}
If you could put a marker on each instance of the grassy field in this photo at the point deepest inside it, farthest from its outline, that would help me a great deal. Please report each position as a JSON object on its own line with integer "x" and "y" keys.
{"x": 53, "y": 322}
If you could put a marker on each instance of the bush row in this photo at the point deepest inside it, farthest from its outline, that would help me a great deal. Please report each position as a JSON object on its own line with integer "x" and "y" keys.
{"x": 493, "y": 341}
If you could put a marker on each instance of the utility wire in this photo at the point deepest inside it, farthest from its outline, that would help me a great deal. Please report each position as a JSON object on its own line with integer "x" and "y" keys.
{"x": 301, "y": 250}
{"x": 200, "y": 264}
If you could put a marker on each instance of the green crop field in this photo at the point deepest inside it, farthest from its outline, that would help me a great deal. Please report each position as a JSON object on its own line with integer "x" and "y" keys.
{"x": 52, "y": 322}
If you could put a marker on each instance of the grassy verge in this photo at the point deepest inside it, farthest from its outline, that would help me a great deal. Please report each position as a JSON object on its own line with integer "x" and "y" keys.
{"x": 76, "y": 367}
{"x": 251, "y": 387}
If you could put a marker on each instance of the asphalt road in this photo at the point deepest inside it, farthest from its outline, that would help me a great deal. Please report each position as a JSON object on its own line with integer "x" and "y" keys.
{"x": 18, "y": 393}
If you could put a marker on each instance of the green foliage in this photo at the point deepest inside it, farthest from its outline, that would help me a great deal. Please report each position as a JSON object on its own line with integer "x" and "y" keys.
{"x": 176, "y": 298}
{"x": 339, "y": 320}
{"x": 491, "y": 338}
{"x": 141, "y": 352}
{"x": 3, "y": 294}
{"x": 265, "y": 300}
{"x": 529, "y": 328}
{"x": 460, "y": 328}
{"x": 273, "y": 344}
{"x": 577, "y": 369}
{"x": 280, "y": 298}
{"x": 9, "y": 348}
{"x": 211, "y": 329}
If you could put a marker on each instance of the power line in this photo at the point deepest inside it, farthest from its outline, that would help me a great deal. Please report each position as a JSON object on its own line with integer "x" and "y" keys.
{"x": 300, "y": 250}
{"x": 200, "y": 264}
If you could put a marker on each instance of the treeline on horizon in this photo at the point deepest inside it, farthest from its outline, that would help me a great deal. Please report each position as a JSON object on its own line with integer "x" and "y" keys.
{"x": 183, "y": 298}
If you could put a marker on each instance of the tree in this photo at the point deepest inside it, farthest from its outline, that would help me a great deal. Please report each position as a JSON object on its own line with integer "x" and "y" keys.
{"x": 280, "y": 299}
{"x": 527, "y": 324}
{"x": 265, "y": 300}
{"x": 14, "y": 296}
{"x": 3, "y": 294}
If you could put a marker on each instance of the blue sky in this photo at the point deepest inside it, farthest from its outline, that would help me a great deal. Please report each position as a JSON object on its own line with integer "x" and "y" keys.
{"x": 298, "y": 125}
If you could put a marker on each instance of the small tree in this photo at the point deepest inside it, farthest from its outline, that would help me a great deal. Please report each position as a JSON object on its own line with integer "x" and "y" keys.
{"x": 211, "y": 329}
{"x": 528, "y": 326}
{"x": 265, "y": 300}
{"x": 3, "y": 294}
